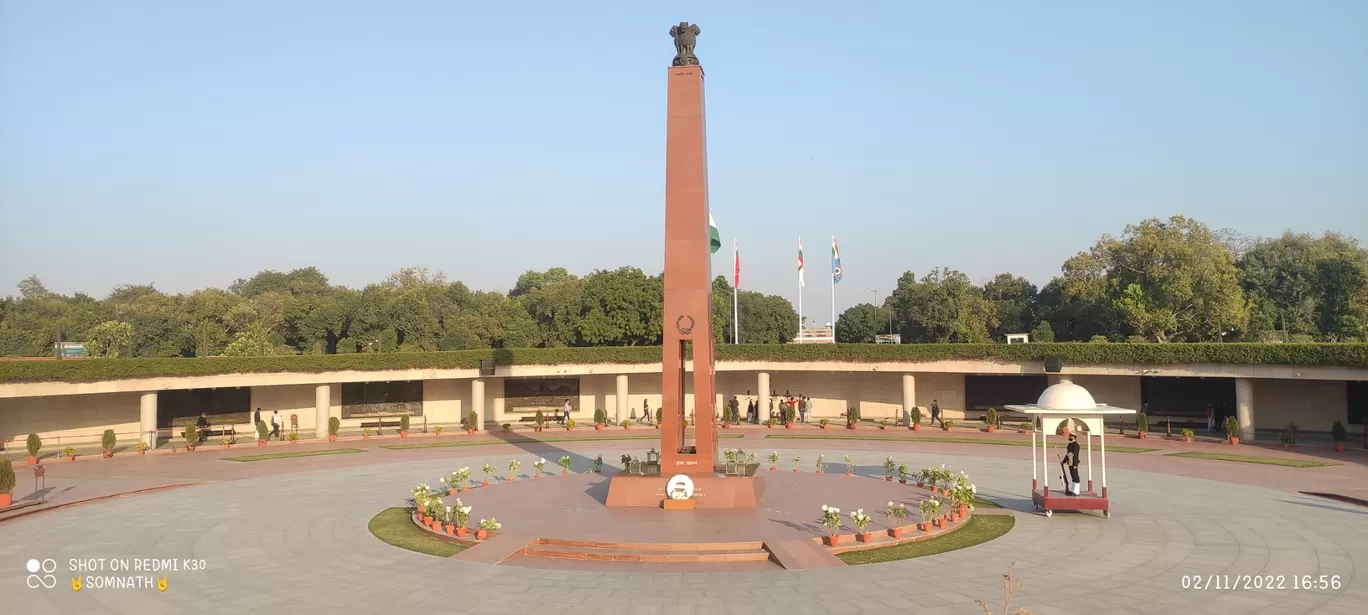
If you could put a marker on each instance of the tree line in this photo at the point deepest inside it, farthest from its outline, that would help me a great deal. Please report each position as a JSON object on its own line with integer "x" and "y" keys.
{"x": 1161, "y": 281}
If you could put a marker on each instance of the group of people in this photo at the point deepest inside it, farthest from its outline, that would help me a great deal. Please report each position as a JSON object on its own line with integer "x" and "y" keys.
{"x": 277, "y": 423}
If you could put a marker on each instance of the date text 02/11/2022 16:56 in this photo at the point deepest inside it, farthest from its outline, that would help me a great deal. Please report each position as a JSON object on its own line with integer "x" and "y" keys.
{"x": 1225, "y": 582}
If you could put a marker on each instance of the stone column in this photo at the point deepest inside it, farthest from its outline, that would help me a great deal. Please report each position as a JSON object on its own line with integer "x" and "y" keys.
{"x": 322, "y": 405}
{"x": 762, "y": 400}
{"x": 1053, "y": 379}
{"x": 621, "y": 398}
{"x": 147, "y": 419}
{"x": 909, "y": 399}
{"x": 477, "y": 402}
{"x": 1244, "y": 408}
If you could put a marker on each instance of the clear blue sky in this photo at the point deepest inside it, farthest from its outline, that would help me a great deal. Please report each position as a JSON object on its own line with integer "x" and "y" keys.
{"x": 191, "y": 143}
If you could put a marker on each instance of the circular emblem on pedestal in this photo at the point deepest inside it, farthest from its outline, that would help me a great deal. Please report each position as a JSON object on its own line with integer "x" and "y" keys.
{"x": 680, "y": 487}
{"x": 684, "y": 324}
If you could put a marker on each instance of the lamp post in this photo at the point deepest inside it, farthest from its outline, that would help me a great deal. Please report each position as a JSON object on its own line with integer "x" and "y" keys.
{"x": 890, "y": 313}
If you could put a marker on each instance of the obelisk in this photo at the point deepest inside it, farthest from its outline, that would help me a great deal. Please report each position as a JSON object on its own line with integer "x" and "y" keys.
{"x": 688, "y": 271}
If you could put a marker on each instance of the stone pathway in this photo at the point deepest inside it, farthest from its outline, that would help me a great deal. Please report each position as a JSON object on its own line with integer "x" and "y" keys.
{"x": 291, "y": 536}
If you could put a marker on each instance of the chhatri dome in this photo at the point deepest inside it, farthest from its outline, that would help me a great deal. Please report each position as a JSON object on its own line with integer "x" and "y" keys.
{"x": 1066, "y": 396}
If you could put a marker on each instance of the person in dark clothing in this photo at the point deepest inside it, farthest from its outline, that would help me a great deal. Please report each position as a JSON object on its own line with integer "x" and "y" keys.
{"x": 750, "y": 411}
{"x": 256, "y": 420}
{"x": 935, "y": 413}
{"x": 735, "y": 407}
{"x": 202, "y": 425}
{"x": 1070, "y": 463}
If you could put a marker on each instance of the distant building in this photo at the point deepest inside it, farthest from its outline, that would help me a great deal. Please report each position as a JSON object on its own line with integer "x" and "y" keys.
{"x": 1018, "y": 338}
{"x": 888, "y": 338}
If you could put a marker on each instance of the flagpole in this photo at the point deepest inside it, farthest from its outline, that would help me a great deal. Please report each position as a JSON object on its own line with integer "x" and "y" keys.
{"x": 800, "y": 288}
{"x": 736, "y": 284}
{"x": 833, "y": 289}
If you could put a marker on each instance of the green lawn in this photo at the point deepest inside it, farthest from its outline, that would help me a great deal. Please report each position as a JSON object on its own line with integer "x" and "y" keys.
{"x": 526, "y": 440}
{"x": 269, "y": 456}
{"x": 394, "y": 526}
{"x": 980, "y": 529}
{"x": 982, "y": 502}
{"x": 989, "y": 441}
{"x": 1269, "y": 461}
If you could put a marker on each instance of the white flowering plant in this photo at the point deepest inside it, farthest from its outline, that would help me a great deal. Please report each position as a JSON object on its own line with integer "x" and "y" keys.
{"x": 540, "y": 465}
{"x": 902, "y": 472}
{"x": 513, "y": 468}
{"x": 797, "y": 461}
{"x": 889, "y": 465}
{"x": 831, "y": 518}
{"x": 821, "y": 463}
{"x": 490, "y": 524}
{"x": 463, "y": 476}
{"x": 860, "y": 519}
{"x": 850, "y": 465}
{"x": 565, "y": 463}
{"x": 488, "y": 471}
{"x": 896, "y": 512}
{"x": 773, "y": 457}
{"x": 730, "y": 454}
{"x": 930, "y": 509}
{"x": 598, "y": 463}
{"x": 460, "y": 513}
{"x": 750, "y": 458}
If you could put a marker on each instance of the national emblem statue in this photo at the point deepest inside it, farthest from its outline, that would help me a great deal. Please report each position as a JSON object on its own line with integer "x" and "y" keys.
{"x": 685, "y": 36}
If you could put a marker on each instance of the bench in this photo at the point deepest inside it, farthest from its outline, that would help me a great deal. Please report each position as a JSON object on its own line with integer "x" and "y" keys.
{"x": 381, "y": 422}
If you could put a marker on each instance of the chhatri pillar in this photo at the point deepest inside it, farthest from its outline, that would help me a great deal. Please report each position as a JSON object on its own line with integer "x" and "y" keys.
{"x": 688, "y": 326}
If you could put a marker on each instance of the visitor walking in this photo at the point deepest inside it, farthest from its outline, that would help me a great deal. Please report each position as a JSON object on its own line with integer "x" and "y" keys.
{"x": 202, "y": 426}
{"x": 275, "y": 424}
{"x": 256, "y": 420}
{"x": 750, "y": 410}
{"x": 1210, "y": 417}
{"x": 646, "y": 411}
{"x": 565, "y": 412}
{"x": 735, "y": 407}
{"x": 803, "y": 406}
{"x": 935, "y": 413}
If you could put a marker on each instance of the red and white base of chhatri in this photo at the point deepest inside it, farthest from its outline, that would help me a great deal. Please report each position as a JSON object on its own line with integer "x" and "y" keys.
{"x": 1050, "y": 501}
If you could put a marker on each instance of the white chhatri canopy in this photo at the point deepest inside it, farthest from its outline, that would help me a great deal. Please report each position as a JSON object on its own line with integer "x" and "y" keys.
{"x": 1069, "y": 402}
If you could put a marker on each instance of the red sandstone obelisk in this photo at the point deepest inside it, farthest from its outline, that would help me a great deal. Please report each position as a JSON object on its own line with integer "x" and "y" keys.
{"x": 688, "y": 283}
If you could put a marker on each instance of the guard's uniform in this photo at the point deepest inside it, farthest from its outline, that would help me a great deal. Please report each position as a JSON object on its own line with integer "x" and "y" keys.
{"x": 1071, "y": 462}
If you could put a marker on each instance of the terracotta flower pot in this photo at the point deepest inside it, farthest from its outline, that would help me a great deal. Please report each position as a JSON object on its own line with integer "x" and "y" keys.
{"x": 819, "y": 470}
{"x": 823, "y": 426}
{"x": 263, "y": 442}
{"x": 33, "y": 460}
{"x": 1234, "y": 440}
{"x": 940, "y": 523}
{"x": 895, "y": 532}
{"x": 850, "y": 474}
{"x": 108, "y": 454}
{"x": 142, "y": 452}
{"x": 332, "y": 438}
{"x": 626, "y": 426}
{"x": 925, "y": 527}
{"x": 852, "y": 426}
{"x": 883, "y": 427}
{"x": 6, "y": 499}
{"x": 450, "y": 530}
{"x": 888, "y": 478}
{"x": 565, "y": 473}
{"x": 1187, "y": 438}
{"x": 771, "y": 468}
{"x": 991, "y": 428}
{"x": 1339, "y": 447}
{"x": 484, "y": 483}
{"x": 403, "y": 434}
{"x": 916, "y": 427}
{"x": 598, "y": 427}
{"x": 1143, "y": 435}
{"x": 865, "y": 537}
{"x": 831, "y": 541}
{"x": 795, "y": 469}
{"x": 921, "y": 484}
{"x": 451, "y": 491}
{"x": 363, "y": 437}
{"x": 465, "y": 487}
{"x": 511, "y": 479}
{"x": 481, "y": 534}
{"x": 470, "y": 431}
{"x": 460, "y": 532}
{"x": 944, "y": 428}
{"x": 963, "y": 510}
{"x": 788, "y": 425}
{"x": 766, "y": 425}
{"x": 71, "y": 458}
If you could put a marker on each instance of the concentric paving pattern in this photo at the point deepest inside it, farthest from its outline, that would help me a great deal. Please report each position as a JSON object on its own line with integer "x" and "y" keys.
{"x": 298, "y": 543}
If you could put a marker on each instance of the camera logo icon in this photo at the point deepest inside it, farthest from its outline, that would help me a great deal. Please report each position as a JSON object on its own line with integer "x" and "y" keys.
{"x": 46, "y": 580}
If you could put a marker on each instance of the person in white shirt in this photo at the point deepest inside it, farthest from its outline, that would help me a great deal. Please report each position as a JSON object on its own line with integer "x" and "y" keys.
{"x": 566, "y": 411}
{"x": 275, "y": 424}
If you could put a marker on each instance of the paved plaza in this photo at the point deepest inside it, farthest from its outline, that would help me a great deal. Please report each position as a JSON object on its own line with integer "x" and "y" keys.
{"x": 290, "y": 536}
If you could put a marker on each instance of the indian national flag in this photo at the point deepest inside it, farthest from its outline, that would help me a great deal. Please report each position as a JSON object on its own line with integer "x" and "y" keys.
{"x": 801, "y": 282}
{"x": 714, "y": 240}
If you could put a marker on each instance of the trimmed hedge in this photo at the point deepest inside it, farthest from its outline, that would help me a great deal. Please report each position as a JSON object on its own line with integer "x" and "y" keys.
{"x": 89, "y": 370}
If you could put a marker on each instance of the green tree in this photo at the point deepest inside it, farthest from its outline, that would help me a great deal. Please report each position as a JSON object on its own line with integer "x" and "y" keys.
{"x": 1043, "y": 333}
{"x": 859, "y": 324}
{"x": 254, "y": 341}
{"x": 108, "y": 339}
{"x": 942, "y": 307}
{"x": 1013, "y": 299}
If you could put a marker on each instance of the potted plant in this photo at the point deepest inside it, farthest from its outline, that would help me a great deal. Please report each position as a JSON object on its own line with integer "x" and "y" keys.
{"x": 773, "y": 459}
{"x": 861, "y": 521}
{"x": 889, "y": 466}
{"x": 831, "y": 518}
{"x": 902, "y": 473}
{"x": 1339, "y": 435}
{"x": 507, "y": 427}
{"x": 7, "y": 482}
{"x": 883, "y": 425}
{"x": 852, "y": 417}
{"x": 34, "y": 444}
{"x": 540, "y": 421}
{"x": 850, "y": 466}
{"x": 488, "y": 471}
{"x": 191, "y": 435}
{"x": 789, "y": 413}
{"x": 335, "y": 425}
{"x": 914, "y": 416}
{"x": 226, "y": 441}
{"x": 452, "y": 483}
{"x": 823, "y": 423}
{"x": 1025, "y": 428}
{"x": 627, "y": 424}
{"x": 768, "y": 423}
{"x": 600, "y": 417}
{"x": 513, "y": 467}
{"x": 796, "y": 461}
{"x": 1285, "y": 438}
{"x": 294, "y": 437}
{"x": 403, "y": 425}
{"x": 990, "y": 420}
{"x": 1291, "y": 433}
{"x": 1142, "y": 425}
{"x": 946, "y": 425}
{"x": 460, "y": 517}
{"x": 69, "y": 453}
{"x": 1232, "y": 429}
{"x": 142, "y": 447}
{"x": 598, "y": 464}
{"x": 565, "y": 465}
{"x": 487, "y": 526}
{"x": 365, "y": 435}
{"x": 472, "y": 422}
{"x": 1187, "y": 435}
{"x": 107, "y": 442}
{"x": 436, "y": 430}
{"x": 896, "y": 514}
{"x": 570, "y": 424}
{"x": 821, "y": 463}
{"x": 262, "y": 432}
{"x": 929, "y": 509}
{"x": 537, "y": 467}
{"x": 463, "y": 478}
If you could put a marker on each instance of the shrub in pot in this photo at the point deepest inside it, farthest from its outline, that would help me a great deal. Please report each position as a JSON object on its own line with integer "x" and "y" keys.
{"x": 507, "y": 427}
{"x": 191, "y": 435}
{"x": 69, "y": 453}
{"x": 914, "y": 418}
{"x": 991, "y": 419}
{"x": 946, "y": 425}
{"x": 1187, "y": 435}
{"x": 1142, "y": 424}
{"x": 403, "y": 425}
{"x": 7, "y": 482}
{"x": 1232, "y": 429}
{"x": 334, "y": 426}
{"x": 540, "y": 420}
{"x": 34, "y": 444}
{"x": 262, "y": 432}
{"x": 107, "y": 442}
{"x": 600, "y": 417}
{"x": 823, "y": 423}
{"x": 1339, "y": 435}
